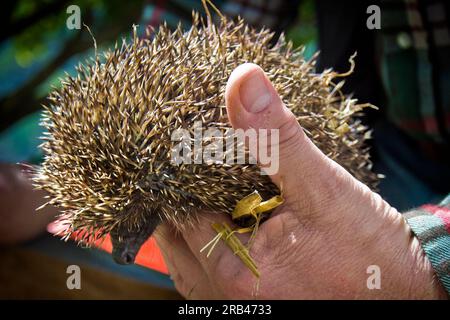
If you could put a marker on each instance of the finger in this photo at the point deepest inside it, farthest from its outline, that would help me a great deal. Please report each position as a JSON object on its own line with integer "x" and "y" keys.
{"x": 189, "y": 277}
{"x": 253, "y": 102}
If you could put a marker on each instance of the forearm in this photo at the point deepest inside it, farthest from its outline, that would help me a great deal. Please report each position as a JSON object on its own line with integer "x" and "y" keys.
{"x": 19, "y": 220}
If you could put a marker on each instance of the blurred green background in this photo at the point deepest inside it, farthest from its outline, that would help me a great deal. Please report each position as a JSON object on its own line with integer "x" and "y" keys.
{"x": 37, "y": 49}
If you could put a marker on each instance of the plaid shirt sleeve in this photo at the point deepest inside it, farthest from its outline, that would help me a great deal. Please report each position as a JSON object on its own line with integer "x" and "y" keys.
{"x": 415, "y": 38}
{"x": 431, "y": 225}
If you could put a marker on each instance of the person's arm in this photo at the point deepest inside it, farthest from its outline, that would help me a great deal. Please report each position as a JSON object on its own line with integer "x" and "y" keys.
{"x": 19, "y": 220}
{"x": 431, "y": 225}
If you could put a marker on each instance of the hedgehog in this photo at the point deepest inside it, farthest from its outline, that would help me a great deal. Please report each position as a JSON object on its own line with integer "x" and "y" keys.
{"x": 108, "y": 141}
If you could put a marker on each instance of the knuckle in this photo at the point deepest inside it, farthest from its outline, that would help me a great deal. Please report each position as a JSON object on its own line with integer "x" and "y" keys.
{"x": 291, "y": 132}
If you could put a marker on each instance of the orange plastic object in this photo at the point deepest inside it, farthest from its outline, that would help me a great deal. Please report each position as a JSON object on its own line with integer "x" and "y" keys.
{"x": 149, "y": 256}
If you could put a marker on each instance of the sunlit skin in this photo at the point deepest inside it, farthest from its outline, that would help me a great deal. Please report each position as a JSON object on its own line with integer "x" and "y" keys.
{"x": 319, "y": 243}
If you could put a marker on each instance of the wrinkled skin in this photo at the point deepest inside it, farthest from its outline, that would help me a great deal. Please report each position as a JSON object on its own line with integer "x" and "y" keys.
{"x": 319, "y": 243}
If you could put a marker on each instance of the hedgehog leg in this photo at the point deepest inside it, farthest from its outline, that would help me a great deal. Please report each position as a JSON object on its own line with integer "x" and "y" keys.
{"x": 127, "y": 242}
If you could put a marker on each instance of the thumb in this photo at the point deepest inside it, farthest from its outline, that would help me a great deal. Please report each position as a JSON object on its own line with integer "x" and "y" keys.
{"x": 253, "y": 102}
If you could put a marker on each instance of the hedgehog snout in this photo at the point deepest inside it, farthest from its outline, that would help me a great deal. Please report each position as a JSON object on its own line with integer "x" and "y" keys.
{"x": 124, "y": 257}
{"x": 127, "y": 242}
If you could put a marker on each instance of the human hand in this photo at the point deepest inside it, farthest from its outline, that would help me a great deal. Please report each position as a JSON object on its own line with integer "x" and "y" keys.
{"x": 319, "y": 243}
